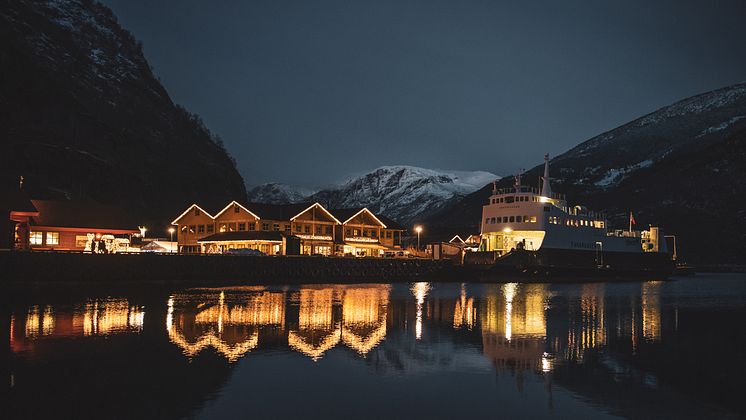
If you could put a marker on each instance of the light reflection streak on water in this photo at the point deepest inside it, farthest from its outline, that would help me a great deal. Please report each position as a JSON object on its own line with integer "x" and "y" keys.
{"x": 509, "y": 291}
{"x": 420, "y": 291}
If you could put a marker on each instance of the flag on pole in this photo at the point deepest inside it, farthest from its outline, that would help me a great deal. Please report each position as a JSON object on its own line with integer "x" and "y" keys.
{"x": 632, "y": 219}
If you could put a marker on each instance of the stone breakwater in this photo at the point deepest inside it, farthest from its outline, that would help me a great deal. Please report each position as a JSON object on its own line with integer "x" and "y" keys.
{"x": 18, "y": 267}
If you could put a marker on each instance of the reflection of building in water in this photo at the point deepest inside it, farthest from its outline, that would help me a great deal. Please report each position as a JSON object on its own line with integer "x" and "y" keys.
{"x": 96, "y": 317}
{"x": 229, "y": 324}
{"x": 364, "y": 317}
{"x": 108, "y": 316}
{"x": 514, "y": 326}
{"x": 464, "y": 314}
{"x": 651, "y": 310}
{"x": 362, "y": 324}
{"x": 317, "y": 330}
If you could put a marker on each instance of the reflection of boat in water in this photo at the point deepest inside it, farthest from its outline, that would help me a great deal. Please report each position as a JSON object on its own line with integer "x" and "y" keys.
{"x": 530, "y": 232}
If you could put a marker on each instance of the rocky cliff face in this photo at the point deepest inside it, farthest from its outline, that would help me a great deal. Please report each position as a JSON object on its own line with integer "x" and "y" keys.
{"x": 682, "y": 167}
{"x": 83, "y": 116}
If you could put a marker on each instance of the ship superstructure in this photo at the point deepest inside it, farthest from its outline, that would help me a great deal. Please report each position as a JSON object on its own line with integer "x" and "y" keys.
{"x": 524, "y": 218}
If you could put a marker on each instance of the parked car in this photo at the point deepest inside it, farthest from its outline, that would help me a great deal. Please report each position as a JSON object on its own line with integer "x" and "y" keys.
{"x": 246, "y": 251}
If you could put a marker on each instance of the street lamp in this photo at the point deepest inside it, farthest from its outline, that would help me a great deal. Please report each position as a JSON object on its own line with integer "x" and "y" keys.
{"x": 418, "y": 229}
{"x": 171, "y": 230}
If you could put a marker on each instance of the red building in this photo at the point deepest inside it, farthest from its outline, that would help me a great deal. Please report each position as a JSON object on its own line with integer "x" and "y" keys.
{"x": 66, "y": 225}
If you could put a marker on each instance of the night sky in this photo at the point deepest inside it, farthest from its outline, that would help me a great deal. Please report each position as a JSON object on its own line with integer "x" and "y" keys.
{"x": 308, "y": 92}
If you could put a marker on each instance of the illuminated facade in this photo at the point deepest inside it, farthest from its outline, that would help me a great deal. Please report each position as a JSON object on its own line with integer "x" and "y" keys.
{"x": 273, "y": 228}
{"x": 70, "y": 226}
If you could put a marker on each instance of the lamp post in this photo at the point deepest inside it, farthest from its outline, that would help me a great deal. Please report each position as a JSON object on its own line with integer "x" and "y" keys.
{"x": 418, "y": 229}
{"x": 171, "y": 231}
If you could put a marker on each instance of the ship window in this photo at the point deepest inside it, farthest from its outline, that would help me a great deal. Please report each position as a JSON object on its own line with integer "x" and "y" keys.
{"x": 509, "y": 199}
{"x": 505, "y": 219}
{"x": 547, "y": 209}
{"x": 493, "y": 220}
{"x": 512, "y": 219}
{"x": 486, "y": 221}
{"x": 519, "y": 219}
{"x": 533, "y": 219}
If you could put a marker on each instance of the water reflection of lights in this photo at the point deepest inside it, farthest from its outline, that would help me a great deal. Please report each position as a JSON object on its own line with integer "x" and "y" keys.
{"x": 509, "y": 290}
{"x": 361, "y": 327}
{"x": 109, "y": 316}
{"x": 420, "y": 291}
{"x": 197, "y": 324}
{"x": 546, "y": 363}
{"x": 364, "y": 317}
{"x": 651, "y": 310}
{"x": 96, "y": 317}
{"x": 464, "y": 314}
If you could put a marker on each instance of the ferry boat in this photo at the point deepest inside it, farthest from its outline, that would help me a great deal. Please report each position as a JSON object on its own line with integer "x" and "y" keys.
{"x": 525, "y": 230}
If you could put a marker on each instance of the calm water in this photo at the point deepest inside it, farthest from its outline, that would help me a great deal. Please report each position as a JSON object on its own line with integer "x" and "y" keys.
{"x": 420, "y": 350}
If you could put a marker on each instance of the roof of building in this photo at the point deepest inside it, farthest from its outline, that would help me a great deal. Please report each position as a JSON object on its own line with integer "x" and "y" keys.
{"x": 277, "y": 211}
{"x": 390, "y": 223}
{"x": 252, "y": 235}
{"x": 18, "y": 201}
{"x": 82, "y": 214}
{"x": 345, "y": 214}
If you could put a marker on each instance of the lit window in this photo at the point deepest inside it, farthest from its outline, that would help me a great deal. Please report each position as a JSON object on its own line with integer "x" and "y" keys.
{"x": 355, "y": 232}
{"x": 53, "y": 238}
{"x": 533, "y": 219}
{"x": 36, "y": 238}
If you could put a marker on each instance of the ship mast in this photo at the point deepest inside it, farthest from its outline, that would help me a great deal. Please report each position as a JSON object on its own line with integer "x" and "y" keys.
{"x": 546, "y": 189}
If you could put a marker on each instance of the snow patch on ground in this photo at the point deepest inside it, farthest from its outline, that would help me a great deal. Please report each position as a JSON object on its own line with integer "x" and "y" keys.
{"x": 615, "y": 175}
{"x": 722, "y": 126}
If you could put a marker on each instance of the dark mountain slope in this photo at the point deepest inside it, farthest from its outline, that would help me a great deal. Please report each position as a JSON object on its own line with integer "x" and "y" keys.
{"x": 682, "y": 167}
{"x": 82, "y": 116}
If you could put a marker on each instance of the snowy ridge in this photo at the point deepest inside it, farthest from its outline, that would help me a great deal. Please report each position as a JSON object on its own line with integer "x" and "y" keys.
{"x": 400, "y": 192}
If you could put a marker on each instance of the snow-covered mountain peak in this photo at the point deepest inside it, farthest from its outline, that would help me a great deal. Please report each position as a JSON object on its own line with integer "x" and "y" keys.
{"x": 401, "y": 192}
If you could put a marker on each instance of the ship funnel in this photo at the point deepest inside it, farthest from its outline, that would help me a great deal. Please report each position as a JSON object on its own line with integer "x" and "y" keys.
{"x": 546, "y": 188}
